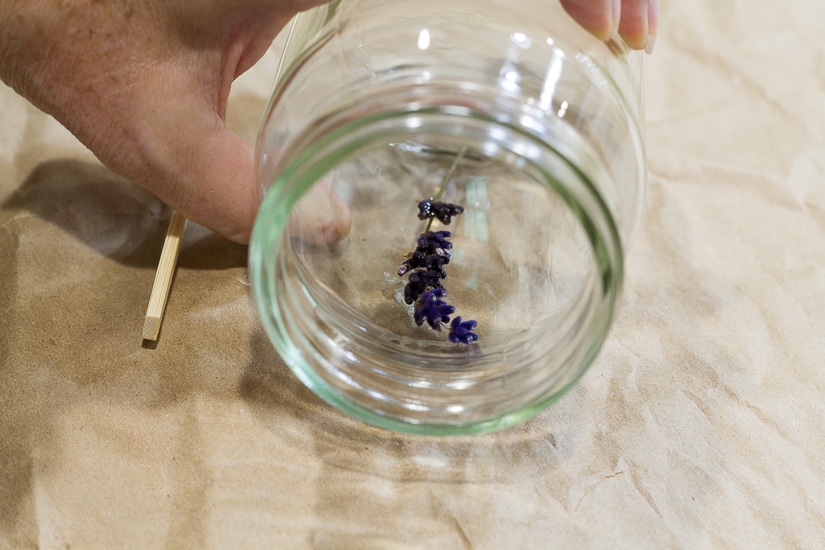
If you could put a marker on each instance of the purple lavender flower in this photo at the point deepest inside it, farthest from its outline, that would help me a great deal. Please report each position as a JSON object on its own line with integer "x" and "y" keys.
{"x": 429, "y": 261}
{"x": 435, "y": 242}
{"x": 444, "y": 211}
{"x": 426, "y": 271}
{"x": 462, "y": 331}
{"x": 419, "y": 281}
{"x": 431, "y": 308}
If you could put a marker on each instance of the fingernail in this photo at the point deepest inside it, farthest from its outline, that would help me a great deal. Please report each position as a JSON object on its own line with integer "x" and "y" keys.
{"x": 615, "y": 16}
{"x": 241, "y": 237}
{"x": 652, "y": 25}
{"x": 650, "y": 44}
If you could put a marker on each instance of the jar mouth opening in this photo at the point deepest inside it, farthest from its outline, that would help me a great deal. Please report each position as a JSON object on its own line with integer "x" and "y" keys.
{"x": 536, "y": 261}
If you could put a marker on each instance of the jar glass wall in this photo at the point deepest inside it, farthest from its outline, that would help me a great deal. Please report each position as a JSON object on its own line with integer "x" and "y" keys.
{"x": 511, "y": 113}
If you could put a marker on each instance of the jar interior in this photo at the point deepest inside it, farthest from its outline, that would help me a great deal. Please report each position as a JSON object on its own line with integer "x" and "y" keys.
{"x": 530, "y": 263}
{"x": 519, "y": 265}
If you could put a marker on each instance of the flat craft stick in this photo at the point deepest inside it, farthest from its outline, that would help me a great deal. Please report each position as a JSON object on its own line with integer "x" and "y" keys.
{"x": 163, "y": 277}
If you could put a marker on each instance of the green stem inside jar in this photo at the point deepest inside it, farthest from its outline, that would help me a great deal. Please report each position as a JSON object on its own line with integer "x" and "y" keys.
{"x": 447, "y": 178}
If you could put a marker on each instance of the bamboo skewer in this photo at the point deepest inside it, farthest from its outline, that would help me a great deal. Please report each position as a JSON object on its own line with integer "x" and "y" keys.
{"x": 163, "y": 277}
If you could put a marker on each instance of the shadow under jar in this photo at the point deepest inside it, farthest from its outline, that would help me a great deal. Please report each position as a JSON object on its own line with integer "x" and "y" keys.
{"x": 507, "y": 109}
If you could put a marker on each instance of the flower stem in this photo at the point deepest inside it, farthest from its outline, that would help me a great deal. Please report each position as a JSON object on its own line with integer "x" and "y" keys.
{"x": 447, "y": 177}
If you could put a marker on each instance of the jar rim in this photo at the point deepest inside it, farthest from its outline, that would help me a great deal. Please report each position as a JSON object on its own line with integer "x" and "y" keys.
{"x": 351, "y": 130}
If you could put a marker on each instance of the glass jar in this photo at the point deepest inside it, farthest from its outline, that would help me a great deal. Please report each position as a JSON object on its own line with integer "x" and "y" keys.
{"x": 389, "y": 117}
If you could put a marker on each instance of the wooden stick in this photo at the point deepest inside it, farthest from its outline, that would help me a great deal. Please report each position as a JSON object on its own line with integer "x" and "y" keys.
{"x": 163, "y": 277}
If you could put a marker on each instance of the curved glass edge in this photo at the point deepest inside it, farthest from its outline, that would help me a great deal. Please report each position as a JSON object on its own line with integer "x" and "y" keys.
{"x": 263, "y": 286}
{"x": 269, "y": 226}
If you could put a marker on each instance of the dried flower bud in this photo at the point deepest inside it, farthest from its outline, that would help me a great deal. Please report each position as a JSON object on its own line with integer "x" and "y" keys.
{"x": 444, "y": 211}
{"x": 461, "y": 331}
{"x": 431, "y": 308}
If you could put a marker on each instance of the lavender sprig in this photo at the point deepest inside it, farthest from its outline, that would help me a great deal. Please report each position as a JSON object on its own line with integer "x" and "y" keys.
{"x": 426, "y": 268}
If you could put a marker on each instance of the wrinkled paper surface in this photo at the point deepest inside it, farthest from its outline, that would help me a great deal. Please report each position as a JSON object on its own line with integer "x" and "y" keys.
{"x": 702, "y": 423}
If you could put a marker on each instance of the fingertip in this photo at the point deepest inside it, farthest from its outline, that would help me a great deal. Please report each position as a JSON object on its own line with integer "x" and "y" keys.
{"x": 240, "y": 237}
{"x": 215, "y": 187}
{"x": 321, "y": 217}
{"x": 633, "y": 26}
{"x": 598, "y": 17}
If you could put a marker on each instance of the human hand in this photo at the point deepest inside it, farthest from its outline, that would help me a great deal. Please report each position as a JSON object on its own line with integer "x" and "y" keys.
{"x": 636, "y": 21}
{"x": 144, "y": 85}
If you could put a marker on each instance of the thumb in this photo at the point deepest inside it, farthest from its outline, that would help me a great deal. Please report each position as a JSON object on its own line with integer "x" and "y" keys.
{"x": 218, "y": 190}
{"x": 208, "y": 176}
